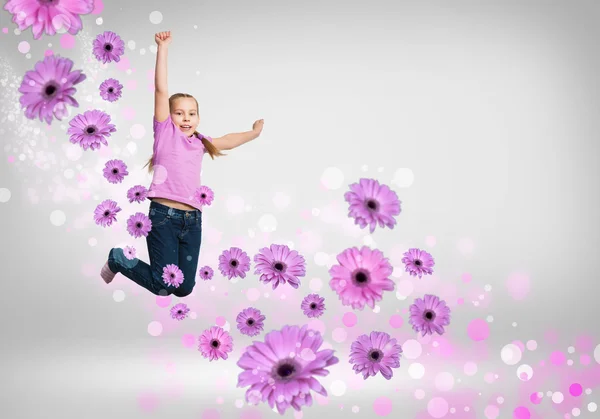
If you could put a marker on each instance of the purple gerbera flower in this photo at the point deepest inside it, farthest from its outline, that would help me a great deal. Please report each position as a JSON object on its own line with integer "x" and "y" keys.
{"x": 129, "y": 252}
{"x": 204, "y": 195}
{"x": 90, "y": 129}
{"x": 115, "y": 171}
{"x": 282, "y": 371}
{"x": 278, "y": 265}
{"x": 139, "y": 225}
{"x": 372, "y": 204}
{"x": 250, "y": 321}
{"x": 313, "y": 305}
{"x": 179, "y": 311}
{"x": 429, "y": 314}
{"x": 49, "y": 88}
{"x": 49, "y": 16}
{"x": 361, "y": 277}
{"x": 110, "y": 90}
{"x": 418, "y": 262}
{"x": 206, "y": 273}
{"x": 106, "y": 213}
{"x": 172, "y": 275}
{"x": 108, "y": 47}
{"x": 375, "y": 353}
{"x": 138, "y": 194}
{"x": 234, "y": 263}
{"x": 215, "y": 343}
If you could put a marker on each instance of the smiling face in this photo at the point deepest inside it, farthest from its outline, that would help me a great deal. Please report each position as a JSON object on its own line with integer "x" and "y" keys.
{"x": 184, "y": 113}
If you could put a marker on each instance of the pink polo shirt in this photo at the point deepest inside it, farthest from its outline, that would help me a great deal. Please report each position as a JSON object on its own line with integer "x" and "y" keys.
{"x": 177, "y": 163}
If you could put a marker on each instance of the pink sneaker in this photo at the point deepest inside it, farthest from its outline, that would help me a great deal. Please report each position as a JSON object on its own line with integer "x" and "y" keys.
{"x": 106, "y": 274}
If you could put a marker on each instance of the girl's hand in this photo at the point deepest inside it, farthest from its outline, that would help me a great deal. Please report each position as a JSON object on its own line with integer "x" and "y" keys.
{"x": 163, "y": 38}
{"x": 258, "y": 126}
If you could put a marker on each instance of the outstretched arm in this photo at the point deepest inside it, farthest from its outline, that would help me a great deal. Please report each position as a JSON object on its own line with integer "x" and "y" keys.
{"x": 161, "y": 91}
{"x": 236, "y": 139}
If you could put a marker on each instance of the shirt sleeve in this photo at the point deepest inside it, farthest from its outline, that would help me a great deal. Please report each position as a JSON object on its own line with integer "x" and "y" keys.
{"x": 162, "y": 129}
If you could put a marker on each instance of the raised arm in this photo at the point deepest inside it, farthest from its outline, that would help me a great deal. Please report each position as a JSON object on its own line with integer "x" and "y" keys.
{"x": 161, "y": 91}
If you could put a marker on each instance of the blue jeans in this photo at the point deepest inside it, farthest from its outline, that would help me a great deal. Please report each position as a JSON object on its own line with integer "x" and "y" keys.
{"x": 174, "y": 239}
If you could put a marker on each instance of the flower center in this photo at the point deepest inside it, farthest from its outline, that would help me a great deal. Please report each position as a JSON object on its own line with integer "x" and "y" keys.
{"x": 214, "y": 343}
{"x": 361, "y": 278}
{"x": 108, "y": 47}
{"x": 234, "y": 263}
{"x": 172, "y": 275}
{"x": 206, "y": 273}
{"x": 48, "y": 2}
{"x": 138, "y": 225}
{"x": 50, "y": 90}
{"x": 279, "y": 266}
{"x": 418, "y": 262}
{"x": 106, "y": 213}
{"x": 313, "y": 306}
{"x": 375, "y": 355}
{"x": 137, "y": 194}
{"x": 286, "y": 370}
{"x": 110, "y": 90}
{"x": 372, "y": 204}
{"x": 90, "y": 130}
{"x": 178, "y": 311}
{"x": 115, "y": 171}
{"x": 250, "y": 322}
{"x": 203, "y": 195}
{"x": 429, "y": 315}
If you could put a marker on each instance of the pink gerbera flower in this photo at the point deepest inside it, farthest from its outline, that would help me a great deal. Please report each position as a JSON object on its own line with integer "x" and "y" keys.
{"x": 206, "y": 273}
{"x": 361, "y": 277}
{"x": 375, "y": 353}
{"x": 139, "y": 225}
{"x": 278, "y": 265}
{"x": 234, "y": 263}
{"x": 418, "y": 262}
{"x": 49, "y": 88}
{"x": 429, "y": 315}
{"x": 204, "y": 195}
{"x": 90, "y": 129}
{"x": 313, "y": 305}
{"x": 106, "y": 213}
{"x": 138, "y": 194}
{"x": 108, "y": 47}
{"x": 215, "y": 343}
{"x": 250, "y": 321}
{"x": 49, "y": 16}
{"x": 129, "y": 252}
{"x": 115, "y": 171}
{"x": 372, "y": 204}
{"x": 110, "y": 90}
{"x": 172, "y": 275}
{"x": 282, "y": 371}
{"x": 179, "y": 311}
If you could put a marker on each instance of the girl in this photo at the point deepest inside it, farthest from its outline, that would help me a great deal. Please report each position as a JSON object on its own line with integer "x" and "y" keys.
{"x": 174, "y": 240}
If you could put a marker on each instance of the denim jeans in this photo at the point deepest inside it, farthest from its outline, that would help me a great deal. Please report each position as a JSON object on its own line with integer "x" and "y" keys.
{"x": 174, "y": 239}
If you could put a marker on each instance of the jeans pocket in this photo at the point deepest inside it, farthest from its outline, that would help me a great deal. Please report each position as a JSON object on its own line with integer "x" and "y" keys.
{"x": 158, "y": 219}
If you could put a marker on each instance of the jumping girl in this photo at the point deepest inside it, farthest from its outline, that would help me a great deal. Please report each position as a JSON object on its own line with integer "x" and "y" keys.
{"x": 175, "y": 215}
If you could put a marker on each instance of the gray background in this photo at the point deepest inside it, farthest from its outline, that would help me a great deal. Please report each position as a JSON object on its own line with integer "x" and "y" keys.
{"x": 492, "y": 105}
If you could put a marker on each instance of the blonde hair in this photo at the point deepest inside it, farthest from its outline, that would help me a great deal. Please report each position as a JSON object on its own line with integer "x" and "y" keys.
{"x": 210, "y": 148}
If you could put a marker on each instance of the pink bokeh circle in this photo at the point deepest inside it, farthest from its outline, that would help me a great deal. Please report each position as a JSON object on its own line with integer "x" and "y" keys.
{"x": 437, "y": 407}
{"x": 521, "y": 412}
{"x": 382, "y": 406}
{"x": 478, "y": 329}
{"x": 349, "y": 319}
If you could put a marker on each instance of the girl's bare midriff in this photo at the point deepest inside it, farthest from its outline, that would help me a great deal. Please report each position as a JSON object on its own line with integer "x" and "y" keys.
{"x": 174, "y": 204}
